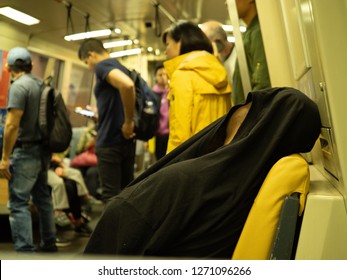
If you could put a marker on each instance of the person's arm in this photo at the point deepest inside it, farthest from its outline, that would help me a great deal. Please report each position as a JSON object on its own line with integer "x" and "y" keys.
{"x": 90, "y": 144}
{"x": 126, "y": 88}
{"x": 80, "y": 148}
{"x": 13, "y": 119}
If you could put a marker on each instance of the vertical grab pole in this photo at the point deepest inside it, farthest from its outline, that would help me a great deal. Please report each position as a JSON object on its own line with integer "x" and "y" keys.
{"x": 240, "y": 50}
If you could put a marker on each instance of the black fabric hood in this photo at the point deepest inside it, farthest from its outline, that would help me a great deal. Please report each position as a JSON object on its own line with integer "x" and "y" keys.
{"x": 195, "y": 200}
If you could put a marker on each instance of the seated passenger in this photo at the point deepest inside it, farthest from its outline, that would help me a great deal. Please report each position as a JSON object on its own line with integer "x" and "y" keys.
{"x": 70, "y": 173}
{"x": 195, "y": 200}
{"x": 86, "y": 160}
{"x": 74, "y": 209}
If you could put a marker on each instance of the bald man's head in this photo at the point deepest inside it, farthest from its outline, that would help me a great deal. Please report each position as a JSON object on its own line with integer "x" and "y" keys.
{"x": 217, "y": 35}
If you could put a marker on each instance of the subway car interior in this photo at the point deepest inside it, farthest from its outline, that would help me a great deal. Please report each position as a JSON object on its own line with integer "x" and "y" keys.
{"x": 305, "y": 44}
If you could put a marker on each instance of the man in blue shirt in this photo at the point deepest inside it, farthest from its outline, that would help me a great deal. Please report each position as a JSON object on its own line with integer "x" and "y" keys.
{"x": 115, "y": 97}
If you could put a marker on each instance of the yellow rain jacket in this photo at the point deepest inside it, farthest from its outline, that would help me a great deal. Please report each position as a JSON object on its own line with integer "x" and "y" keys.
{"x": 199, "y": 94}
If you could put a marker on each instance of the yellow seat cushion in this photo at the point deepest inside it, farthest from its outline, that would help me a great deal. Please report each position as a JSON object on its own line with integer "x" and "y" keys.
{"x": 290, "y": 174}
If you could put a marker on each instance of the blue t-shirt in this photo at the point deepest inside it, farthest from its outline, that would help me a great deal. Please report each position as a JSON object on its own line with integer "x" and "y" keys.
{"x": 24, "y": 94}
{"x": 109, "y": 104}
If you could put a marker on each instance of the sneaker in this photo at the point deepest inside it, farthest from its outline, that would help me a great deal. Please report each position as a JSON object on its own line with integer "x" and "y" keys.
{"x": 84, "y": 230}
{"x": 61, "y": 219}
{"x": 91, "y": 200}
{"x": 61, "y": 242}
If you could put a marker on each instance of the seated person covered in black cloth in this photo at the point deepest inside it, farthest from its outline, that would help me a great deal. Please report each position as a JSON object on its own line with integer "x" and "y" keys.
{"x": 195, "y": 200}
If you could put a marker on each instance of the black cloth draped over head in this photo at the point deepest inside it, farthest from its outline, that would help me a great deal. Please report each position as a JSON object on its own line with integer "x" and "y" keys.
{"x": 195, "y": 200}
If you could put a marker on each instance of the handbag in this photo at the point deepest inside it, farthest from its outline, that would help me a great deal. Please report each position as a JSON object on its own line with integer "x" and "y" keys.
{"x": 87, "y": 158}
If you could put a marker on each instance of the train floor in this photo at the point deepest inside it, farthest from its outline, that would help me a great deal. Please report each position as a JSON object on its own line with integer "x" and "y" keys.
{"x": 72, "y": 248}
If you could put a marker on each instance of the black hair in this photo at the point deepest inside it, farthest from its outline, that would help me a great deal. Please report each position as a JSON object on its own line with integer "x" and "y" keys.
{"x": 159, "y": 66}
{"x": 90, "y": 45}
{"x": 21, "y": 66}
{"x": 190, "y": 35}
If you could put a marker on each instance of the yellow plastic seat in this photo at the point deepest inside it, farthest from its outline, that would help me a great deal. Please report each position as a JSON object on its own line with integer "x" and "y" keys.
{"x": 289, "y": 175}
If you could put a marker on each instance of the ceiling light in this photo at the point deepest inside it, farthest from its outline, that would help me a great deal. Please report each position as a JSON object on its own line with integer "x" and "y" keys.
{"x": 18, "y": 16}
{"x": 231, "y": 39}
{"x": 230, "y": 28}
{"x": 117, "y": 30}
{"x": 157, "y": 52}
{"x": 115, "y": 44}
{"x": 126, "y": 52}
{"x": 89, "y": 34}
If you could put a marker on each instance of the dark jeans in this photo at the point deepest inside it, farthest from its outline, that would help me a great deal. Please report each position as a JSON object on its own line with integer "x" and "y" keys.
{"x": 161, "y": 145}
{"x": 116, "y": 167}
{"x": 29, "y": 181}
{"x": 91, "y": 177}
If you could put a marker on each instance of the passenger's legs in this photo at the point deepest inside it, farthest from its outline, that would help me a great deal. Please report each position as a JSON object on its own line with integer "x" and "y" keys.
{"x": 116, "y": 168}
{"x": 161, "y": 145}
{"x": 76, "y": 175}
{"x": 74, "y": 199}
{"x": 75, "y": 208}
{"x": 128, "y": 163}
{"x": 28, "y": 179}
{"x": 92, "y": 180}
{"x": 109, "y": 166}
{"x": 20, "y": 216}
{"x": 42, "y": 199}
{"x": 59, "y": 199}
{"x": 59, "y": 196}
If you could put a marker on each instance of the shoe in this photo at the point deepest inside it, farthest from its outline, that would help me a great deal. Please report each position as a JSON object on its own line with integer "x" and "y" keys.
{"x": 91, "y": 200}
{"x": 83, "y": 230}
{"x": 86, "y": 218}
{"x": 61, "y": 242}
{"x": 49, "y": 249}
{"x": 61, "y": 219}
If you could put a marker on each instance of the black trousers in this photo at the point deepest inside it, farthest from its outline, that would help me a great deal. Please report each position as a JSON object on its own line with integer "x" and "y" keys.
{"x": 161, "y": 145}
{"x": 74, "y": 199}
{"x": 116, "y": 167}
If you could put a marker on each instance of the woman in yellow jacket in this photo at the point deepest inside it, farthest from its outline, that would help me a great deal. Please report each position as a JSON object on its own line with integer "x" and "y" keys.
{"x": 199, "y": 88}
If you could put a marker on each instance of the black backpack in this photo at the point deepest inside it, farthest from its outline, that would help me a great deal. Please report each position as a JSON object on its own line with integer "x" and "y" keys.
{"x": 147, "y": 109}
{"x": 54, "y": 121}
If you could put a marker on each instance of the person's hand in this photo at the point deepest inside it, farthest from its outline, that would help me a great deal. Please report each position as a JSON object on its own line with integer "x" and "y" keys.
{"x": 59, "y": 171}
{"x": 5, "y": 169}
{"x": 128, "y": 130}
{"x": 95, "y": 110}
{"x": 56, "y": 158}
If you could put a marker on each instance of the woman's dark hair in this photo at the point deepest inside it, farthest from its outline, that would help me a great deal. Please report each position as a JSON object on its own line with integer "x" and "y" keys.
{"x": 190, "y": 35}
{"x": 90, "y": 45}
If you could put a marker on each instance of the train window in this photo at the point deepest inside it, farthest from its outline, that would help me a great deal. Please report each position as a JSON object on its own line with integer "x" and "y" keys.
{"x": 79, "y": 93}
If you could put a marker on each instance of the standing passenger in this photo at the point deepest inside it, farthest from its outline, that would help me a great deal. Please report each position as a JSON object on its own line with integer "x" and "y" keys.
{"x": 254, "y": 50}
{"x": 162, "y": 88}
{"x": 24, "y": 159}
{"x": 224, "y": 50}
{"x": 199, "y": 88}
{"x": 115, "y": 97}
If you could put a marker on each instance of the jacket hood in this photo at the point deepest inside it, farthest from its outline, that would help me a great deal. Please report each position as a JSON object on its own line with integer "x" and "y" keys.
{"x": 206, "y": 65}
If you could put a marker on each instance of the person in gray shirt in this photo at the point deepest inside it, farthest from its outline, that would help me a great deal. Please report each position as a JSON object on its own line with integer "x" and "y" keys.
{"x": 25, "y": 159}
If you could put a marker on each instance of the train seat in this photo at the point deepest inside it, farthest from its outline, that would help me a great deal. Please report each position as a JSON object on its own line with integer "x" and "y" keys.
{"x": 270, "y": 226}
